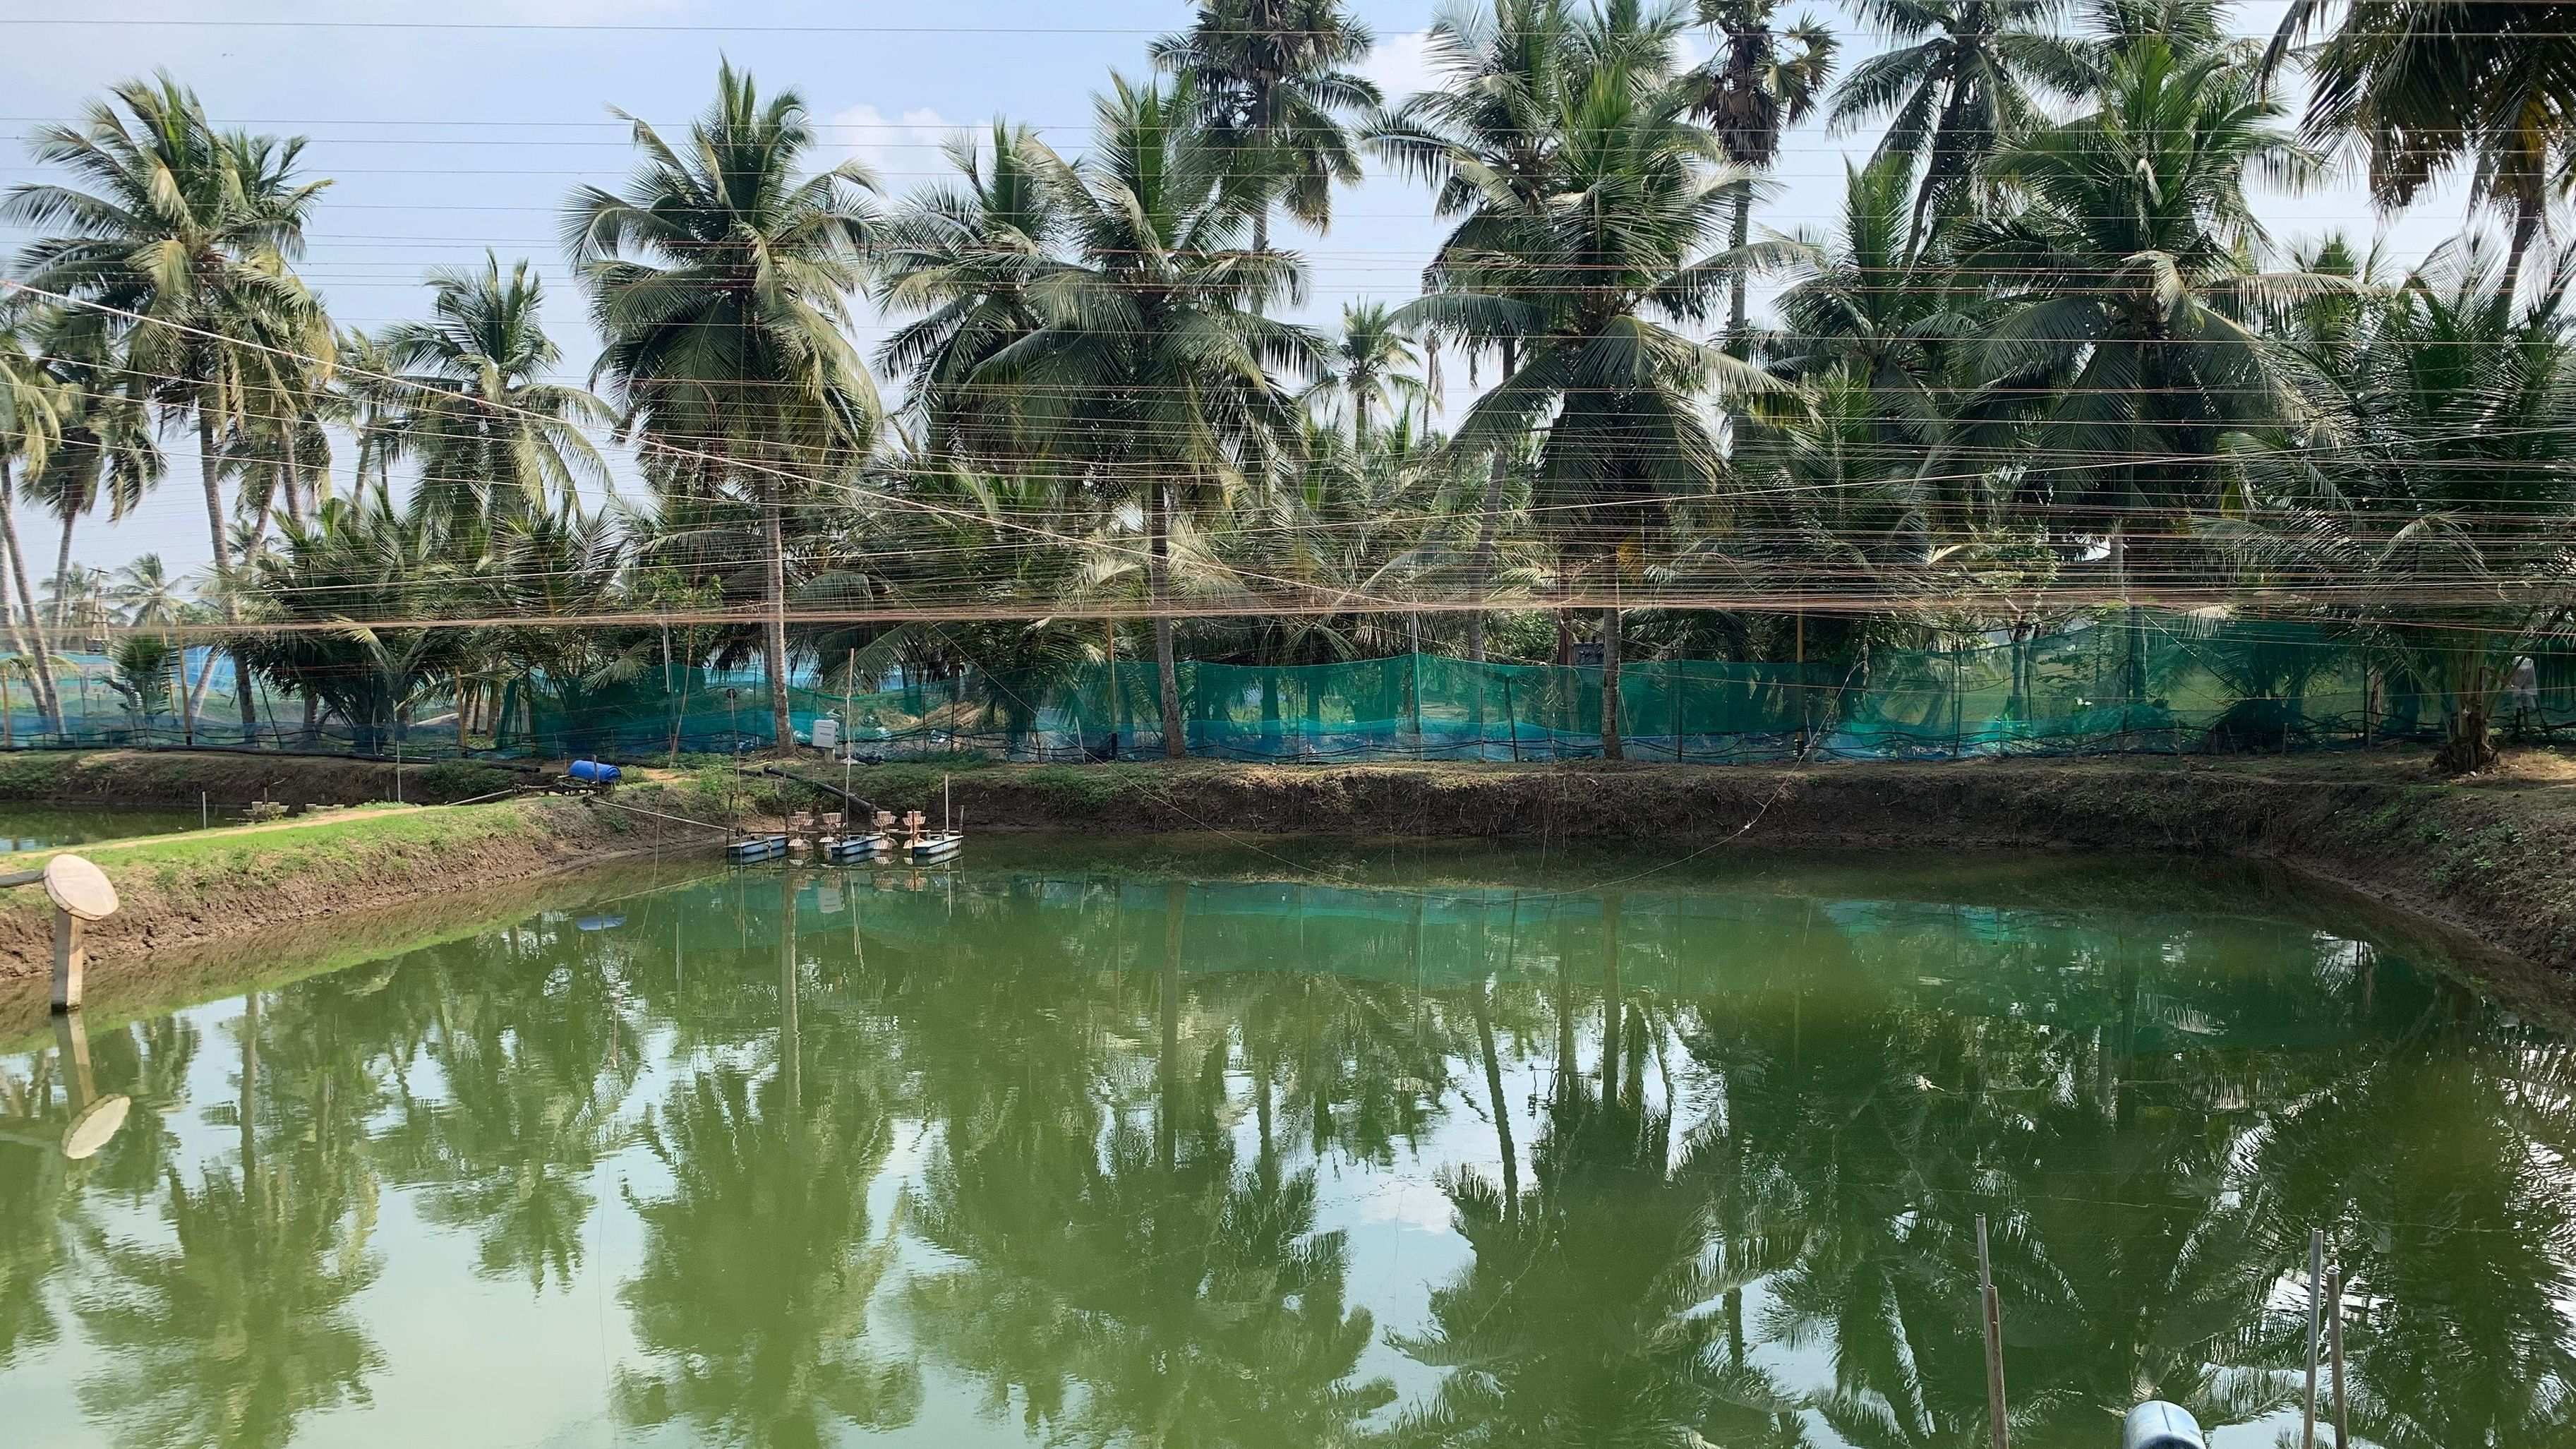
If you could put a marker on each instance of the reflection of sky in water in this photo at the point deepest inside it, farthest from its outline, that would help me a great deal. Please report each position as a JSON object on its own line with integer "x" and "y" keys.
{"x": 1847, "y": 1017}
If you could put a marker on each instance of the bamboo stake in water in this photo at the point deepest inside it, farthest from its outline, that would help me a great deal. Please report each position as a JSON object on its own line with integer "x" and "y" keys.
{"x": 1992, "y": 1310}
{"x": 2316, "y": 1322}
{"x": 2334, "y": 1340}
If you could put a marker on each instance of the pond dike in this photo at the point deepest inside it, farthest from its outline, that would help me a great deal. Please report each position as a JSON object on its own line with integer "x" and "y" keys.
{"x": 2494, "y": 856}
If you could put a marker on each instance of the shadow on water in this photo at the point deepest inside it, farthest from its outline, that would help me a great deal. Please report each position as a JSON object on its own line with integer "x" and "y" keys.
{"x": 1098, "y": 1143}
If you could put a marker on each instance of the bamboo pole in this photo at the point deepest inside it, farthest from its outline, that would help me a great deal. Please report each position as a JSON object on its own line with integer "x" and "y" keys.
{"x": 1997, "y": 1420}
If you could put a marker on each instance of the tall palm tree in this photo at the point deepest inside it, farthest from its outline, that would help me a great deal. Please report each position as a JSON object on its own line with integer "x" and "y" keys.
{"x": 1273, "y": 82}
{"x": 2131, "y": 305}
{"x": 964, "y": 256}
{"x": 1486, "y": 140}
{"x": 2438, "y": 524}
{"x": 719, "y": 280}
{"x": 146, "y": 594}
{"x": 186, "y": 232}
{"x": 1761, "y": 82}
{"x": 1370, "y": 364}
{"x": 30, "y": 426}
{"x": 1586, "y": 291}
{"x": 1962, "y": 76}
{"x": 2432, "y": 89}
{"x": 1150, "y": 372}
{"x": 493, "y": 440}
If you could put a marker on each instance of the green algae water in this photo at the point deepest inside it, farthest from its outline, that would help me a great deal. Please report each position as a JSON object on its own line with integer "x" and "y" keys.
{"x": 43, "y": 827}
{"x": 1095, "y": 1145}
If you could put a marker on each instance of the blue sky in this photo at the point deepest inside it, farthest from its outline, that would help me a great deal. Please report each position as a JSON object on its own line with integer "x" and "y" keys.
{"x": 454, "y": 127}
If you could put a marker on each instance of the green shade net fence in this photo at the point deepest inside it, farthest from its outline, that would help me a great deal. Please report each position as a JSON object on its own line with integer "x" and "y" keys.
{"x": 2146, "y": 682}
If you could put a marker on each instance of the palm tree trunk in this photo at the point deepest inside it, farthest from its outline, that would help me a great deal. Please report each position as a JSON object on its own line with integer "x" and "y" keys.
{"x": 1480, "y": 564}
{"x": 1176, "y": 744}
{"x": 1502, "y": 1110}
{"x": 1739, "y": 231}
{"x": 773, "y": 626}
{"x": 48, "y": 699}
{"x": 2527, "y": 216}
{"x": 1613, "y": 1023}
{"x": 63, "y": 573}
{"x": 212, "y": 481}
{"x": 1610, "y": 749}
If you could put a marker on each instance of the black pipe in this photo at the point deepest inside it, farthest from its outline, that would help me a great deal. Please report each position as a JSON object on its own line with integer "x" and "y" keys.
{"x": 846, "y": 797}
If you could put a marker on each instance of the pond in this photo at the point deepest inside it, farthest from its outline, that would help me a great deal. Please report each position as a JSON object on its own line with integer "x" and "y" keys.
{"x": 43, "y": 827}
{"x": 1081, "y": 1143}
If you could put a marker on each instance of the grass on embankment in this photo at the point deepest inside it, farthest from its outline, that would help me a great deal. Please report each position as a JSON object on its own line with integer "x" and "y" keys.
{"x": 181, "y": 890}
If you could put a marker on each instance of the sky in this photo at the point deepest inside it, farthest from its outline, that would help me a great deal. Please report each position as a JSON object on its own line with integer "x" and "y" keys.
{"x": 455, "y": 127}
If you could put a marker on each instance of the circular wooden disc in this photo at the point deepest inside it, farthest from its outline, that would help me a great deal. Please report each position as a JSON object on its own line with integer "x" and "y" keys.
{"x": 97, "y": 1122}
{"x": 80, "y": 888}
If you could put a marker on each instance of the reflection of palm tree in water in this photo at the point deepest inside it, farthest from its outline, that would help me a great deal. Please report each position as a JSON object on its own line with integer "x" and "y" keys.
{"x": 534, "y": 1061}
{"x": 240, "y": 1327}
{"x": 759, "y": 1263}
{"x": 1184, "y": 1294}
{"x": 2437, "y": 1169}
{"x": 1584, "y": 1317}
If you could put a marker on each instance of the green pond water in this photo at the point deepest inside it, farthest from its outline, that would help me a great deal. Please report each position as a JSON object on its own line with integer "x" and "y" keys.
{"x": 42, "y": 827}
{"x": 1093, "y": 1145}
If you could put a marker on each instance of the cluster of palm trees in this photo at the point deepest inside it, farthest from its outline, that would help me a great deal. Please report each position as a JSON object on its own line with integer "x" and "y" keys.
{"x": 2049, "y": 360}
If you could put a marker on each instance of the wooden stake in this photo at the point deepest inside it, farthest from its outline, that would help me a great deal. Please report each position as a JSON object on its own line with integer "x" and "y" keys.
{"x": 2316, "y": 1307}
{"x": 1992, "y": 1308}
{"x": 71, "y": 960}
{"x": 2334, "y": 1340}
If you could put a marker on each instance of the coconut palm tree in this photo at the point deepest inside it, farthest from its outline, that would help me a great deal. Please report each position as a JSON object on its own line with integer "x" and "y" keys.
{"x": 1586, "y": 292}
{"x": 370, "y": 573}
{"x": 2430, "y": 90}
{"x": 1961, "y": 77}
{"x": 720, "y": 281}
{"x": 145, "y": 594}
{"x": 1273, "y": 83}
{"x": 1487, "y": 141}
{"x": 2131, "y": 308}
{"x": 1761, "y": 82}
{"x": 1151, "y": 370}
{"x": 964, "y": 257}
{"x": 1370, "y": 364}
{"x": 2438, "y": 524}
{"x": 492, "y": 439}
{"x": 186, "y": 233}
{"x": 30, "y": 426}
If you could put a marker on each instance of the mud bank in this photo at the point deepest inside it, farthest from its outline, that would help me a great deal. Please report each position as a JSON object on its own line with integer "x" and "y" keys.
{"x": 2495, "y": 857}
{"x": 181, "y": 893}
{"x": 230, "y": 781}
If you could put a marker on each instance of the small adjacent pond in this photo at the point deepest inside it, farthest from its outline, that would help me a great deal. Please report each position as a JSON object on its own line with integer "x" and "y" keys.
{"x": 43, "y": 827}
{"x": 1098, "y": 1145}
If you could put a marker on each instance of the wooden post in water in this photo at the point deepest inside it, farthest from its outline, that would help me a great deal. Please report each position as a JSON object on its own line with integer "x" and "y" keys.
{"x": 1992, "y": 1312}
{"x": 2316, "y": 1307}
{"x": 2334, "y": 1340}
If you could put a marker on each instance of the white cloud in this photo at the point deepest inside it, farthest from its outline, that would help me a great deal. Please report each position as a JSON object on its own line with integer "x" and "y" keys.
{"x": 903, "y": 152}
{"x": 1401, "y": 65}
